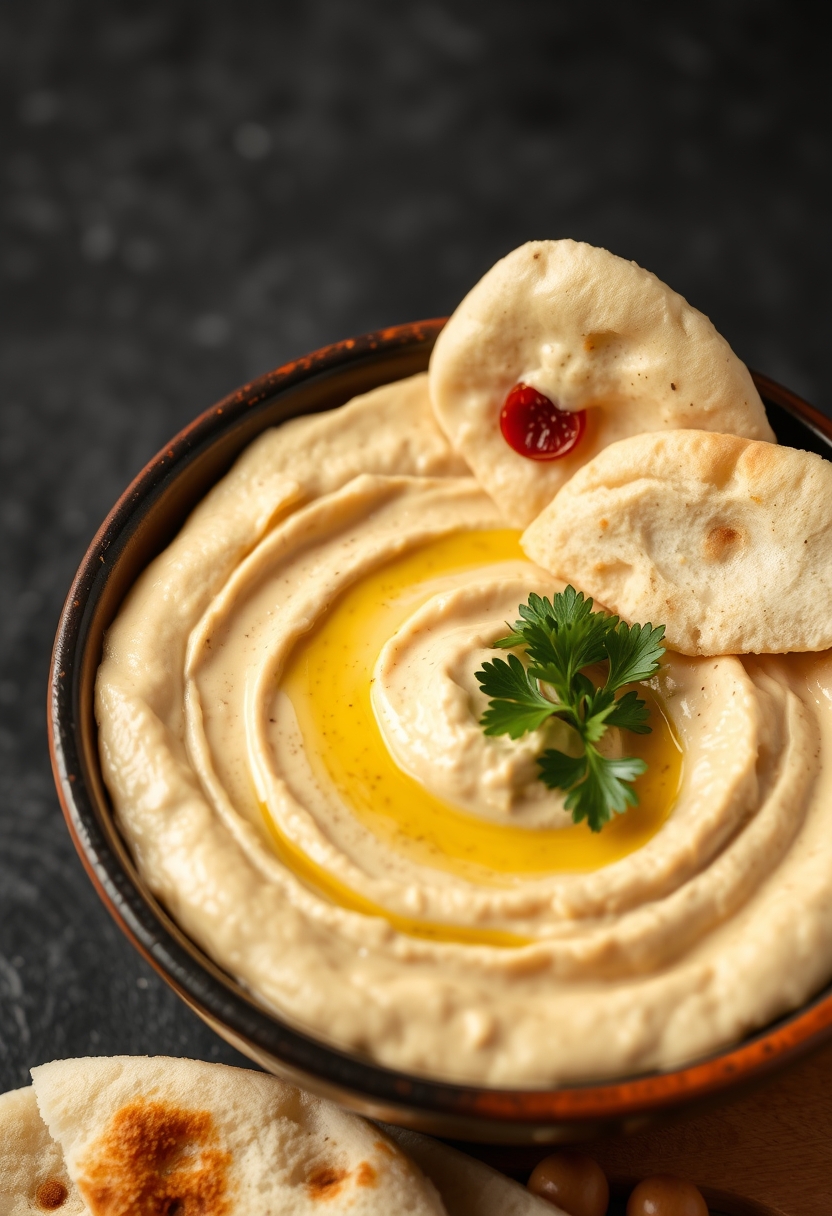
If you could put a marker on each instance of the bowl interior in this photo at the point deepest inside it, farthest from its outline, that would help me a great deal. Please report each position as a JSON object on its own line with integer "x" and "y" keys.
{"x": 140, "y": 525}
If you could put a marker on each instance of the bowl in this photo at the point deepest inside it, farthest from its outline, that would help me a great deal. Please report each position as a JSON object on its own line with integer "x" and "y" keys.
{"x": 140, "y": 525}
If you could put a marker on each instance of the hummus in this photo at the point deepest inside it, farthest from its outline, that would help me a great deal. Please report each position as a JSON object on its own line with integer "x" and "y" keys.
{"x": 289, "y": 730}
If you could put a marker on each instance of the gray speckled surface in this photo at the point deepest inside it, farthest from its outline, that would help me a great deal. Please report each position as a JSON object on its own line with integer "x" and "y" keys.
{"x": 193, "y": 192}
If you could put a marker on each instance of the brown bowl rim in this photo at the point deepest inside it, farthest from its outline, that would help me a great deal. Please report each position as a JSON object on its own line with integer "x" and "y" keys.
{"x": 468, "y": 1111}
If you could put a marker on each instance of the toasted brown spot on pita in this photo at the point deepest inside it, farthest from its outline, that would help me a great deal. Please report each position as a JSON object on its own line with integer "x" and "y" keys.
{"x": 326, "y": 1182}
{"x": 759, "y": 459}
{"x": 51, "y": 1195}
{"x": 721, "y": 542}
{"x": 387, "y": 1149}
{"x": 366, "y": 1175}
{"x": 717, "y": 457}
{"x": 157, "y": 1159}
{"x": 600, "y": 340}
{"x": 608, "y": 567}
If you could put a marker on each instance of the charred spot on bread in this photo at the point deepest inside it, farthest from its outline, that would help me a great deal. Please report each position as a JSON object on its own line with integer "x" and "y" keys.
{"x": 157, "y": 1158}
{"x": 366, "y": 1175}
{"x": 721, "y": 542}
{"x": 51, "y": 1195}
{"x": 326, "y": 1182}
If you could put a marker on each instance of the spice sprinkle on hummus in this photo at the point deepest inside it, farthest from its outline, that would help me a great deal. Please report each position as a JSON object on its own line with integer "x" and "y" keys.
{"x": 289, "y": 725}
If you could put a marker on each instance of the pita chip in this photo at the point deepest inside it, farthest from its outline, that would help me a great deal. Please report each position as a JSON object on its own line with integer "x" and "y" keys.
{"x": 590, "y": 331}
{"x": 725, "y": 541}
{"x": 144, "y": 1135}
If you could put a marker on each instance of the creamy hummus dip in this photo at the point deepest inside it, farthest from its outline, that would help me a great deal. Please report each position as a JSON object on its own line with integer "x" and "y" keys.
{"x": 289, "y": 727}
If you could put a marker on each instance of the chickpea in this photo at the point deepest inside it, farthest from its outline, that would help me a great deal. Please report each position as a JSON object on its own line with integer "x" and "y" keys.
{"x": 664, "y": 1195}
{"x": 574, "y": 1182}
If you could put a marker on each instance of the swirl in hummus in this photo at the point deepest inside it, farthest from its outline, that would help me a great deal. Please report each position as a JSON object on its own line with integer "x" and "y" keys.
{"x": 289, "y": 730}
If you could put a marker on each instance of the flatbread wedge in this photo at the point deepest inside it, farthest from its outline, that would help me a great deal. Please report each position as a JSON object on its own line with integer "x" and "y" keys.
{"x": 146, "y": 1135}
{"x": 590, "y": 331}
{"x": 725, "y": 541}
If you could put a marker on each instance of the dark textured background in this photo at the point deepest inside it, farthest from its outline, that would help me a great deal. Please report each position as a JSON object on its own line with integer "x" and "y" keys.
{"x": 193, "y": 192}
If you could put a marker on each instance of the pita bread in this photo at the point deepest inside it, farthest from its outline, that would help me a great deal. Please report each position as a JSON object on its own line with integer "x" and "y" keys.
{"x": 33, "y": 1177}
{"x": 469, "y": 1187}
{"x": 726, "y": 542}
{"x": 590, "y": 331}
{"x": 147, "y": 1135}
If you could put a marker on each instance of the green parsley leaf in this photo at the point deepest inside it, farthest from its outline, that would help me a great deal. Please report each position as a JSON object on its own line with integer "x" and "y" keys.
{"x": 538, "y": 611}
{"x": 602, "y": 710}
{"x": 562, "y": 638}
{"x": 630, "y": 713}
{"x": 597, "y": 786}
{"x": 634, "y": 652}
{"x": 605, "y": 789}
{"x": 519, "y": 705}
{"x": 510, "y": 640}
{"x": 598, "y": 706}
{"x": 559, "y": 771}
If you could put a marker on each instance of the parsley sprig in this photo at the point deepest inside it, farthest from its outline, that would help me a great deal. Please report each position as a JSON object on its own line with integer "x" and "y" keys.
{"x": 562, "y": 638}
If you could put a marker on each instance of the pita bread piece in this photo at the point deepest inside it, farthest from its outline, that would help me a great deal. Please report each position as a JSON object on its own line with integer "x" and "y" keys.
{"x": 590, "y": 331}
{"x": 33, "y": 1177}
{"x": 144, "y": 1135}
{"x": 725, "y": 541}
{"x": 469, "y": 1187}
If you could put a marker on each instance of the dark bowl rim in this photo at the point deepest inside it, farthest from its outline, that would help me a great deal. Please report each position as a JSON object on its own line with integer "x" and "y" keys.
{"x": 216, "y": 998}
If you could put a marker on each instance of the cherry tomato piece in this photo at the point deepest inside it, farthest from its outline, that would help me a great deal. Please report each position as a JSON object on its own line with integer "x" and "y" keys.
{"x": 535, "y": 427}
{"x": 572, "y": 1181}
{"x": 664, "y": 1195}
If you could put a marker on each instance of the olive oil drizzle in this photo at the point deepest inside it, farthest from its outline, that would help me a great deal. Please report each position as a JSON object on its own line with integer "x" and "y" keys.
{"x": 328, "y": 683}
{"x": 318, "y": 879}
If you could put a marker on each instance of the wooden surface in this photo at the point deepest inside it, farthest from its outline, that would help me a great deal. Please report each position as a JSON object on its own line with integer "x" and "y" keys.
{"x": 767, "y": 1154}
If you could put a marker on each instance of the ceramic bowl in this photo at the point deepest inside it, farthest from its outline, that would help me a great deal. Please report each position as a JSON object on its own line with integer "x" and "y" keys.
{"x": 139, "y": 526}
